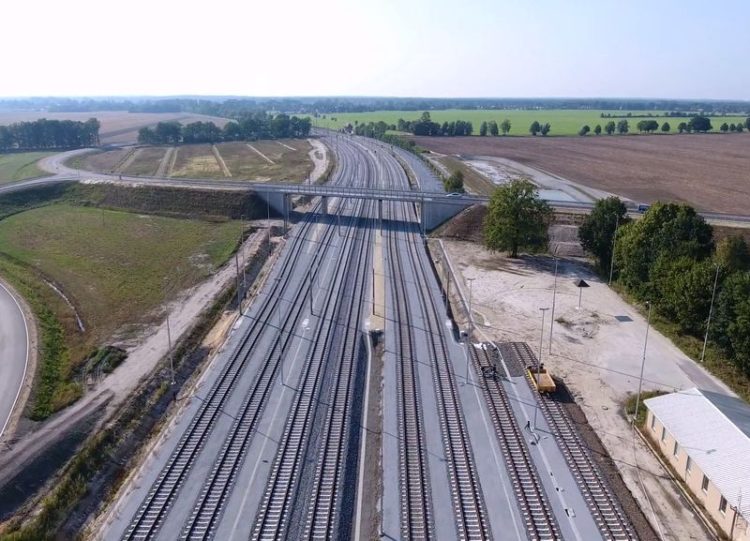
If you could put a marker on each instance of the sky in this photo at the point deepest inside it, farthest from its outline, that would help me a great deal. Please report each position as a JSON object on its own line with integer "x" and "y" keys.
{"x": 431, "y": 48}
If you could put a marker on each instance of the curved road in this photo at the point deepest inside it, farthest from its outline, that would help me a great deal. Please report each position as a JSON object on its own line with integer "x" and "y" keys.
{"x": 14, "y": 354}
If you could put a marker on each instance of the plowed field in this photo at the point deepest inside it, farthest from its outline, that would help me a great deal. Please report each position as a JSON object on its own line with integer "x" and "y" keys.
{"x": 711, "y": 172}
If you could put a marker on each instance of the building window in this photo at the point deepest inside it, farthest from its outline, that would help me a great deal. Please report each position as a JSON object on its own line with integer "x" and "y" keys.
{"x": 688, "y": 466}
{"x": 704, "y": 484}
{"x": 663, "y": 434}
{"x": 676, "y": 449}
{"x": 653, "y": 422}
{"x": 723, "y": 505}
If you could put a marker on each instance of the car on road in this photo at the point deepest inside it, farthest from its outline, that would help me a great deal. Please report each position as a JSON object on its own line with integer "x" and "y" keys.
{"x": 453, "y": 194}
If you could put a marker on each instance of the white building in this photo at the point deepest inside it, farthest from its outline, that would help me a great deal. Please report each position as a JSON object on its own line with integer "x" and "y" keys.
{"x": 705, "y": 436}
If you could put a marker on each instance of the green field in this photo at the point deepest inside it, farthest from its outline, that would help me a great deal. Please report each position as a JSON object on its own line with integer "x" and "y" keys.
{"x": 116, "y": 268}
{"x": 563, "y": 121}
{"x": 21, "y": 165}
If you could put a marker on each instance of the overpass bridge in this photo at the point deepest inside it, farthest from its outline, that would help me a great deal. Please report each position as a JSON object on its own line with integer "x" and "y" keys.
{"x": 435, "y": 207}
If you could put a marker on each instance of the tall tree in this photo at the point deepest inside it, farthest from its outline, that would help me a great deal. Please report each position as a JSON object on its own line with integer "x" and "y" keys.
{"x": 534, "y": 128}
{"x": 732, "y": 254}
{"x": 598, "y": 129}
{"x": 725, "y": 127}
{"x": 666, "y": 229}
{"x": 598, "y": 229}
{"x": 584, "y": 130}
{"x": 623, "y": 127}
{"x": 682, "y": 127}
{"x": 516, "y": 218}
{"x": 455, "y": 182}
{"x": 505, "y": 126}
{"x": 700, "y": 123}
{"x": 545, "y": 128}
{"x": 683, "y": 290}
{"x": 610, "y": 127}
{"x": 666, "y": 127}
{"x": 732, "y": 328}
{"x": 483, "y": 128}
{"x": 493, "y": 128}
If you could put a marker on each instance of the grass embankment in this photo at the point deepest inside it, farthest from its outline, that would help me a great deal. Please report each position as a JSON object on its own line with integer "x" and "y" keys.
{"x": 115, "y": 267}
{"x": 562, "y": 121}
{"x": 473, "y": 181}
{"x": 108, "y": 456}
{"x": 21, "y": 165}
{"x": 715, "y": 361}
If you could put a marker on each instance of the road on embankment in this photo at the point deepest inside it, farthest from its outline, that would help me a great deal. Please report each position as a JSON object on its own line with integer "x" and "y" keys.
{"x": 14, "y": 354}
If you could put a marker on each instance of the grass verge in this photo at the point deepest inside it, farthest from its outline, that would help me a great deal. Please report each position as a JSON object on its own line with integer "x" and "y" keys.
{"x": 54, "y": 389}
{"x": 629, "y": 406}
{"x": 116, "y": 268}
{"x": 21, "y": 165}
{"x": 93, "y": 477}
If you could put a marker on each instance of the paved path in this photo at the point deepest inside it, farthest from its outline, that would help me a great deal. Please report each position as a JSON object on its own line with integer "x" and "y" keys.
{"x": 14, "y": 354}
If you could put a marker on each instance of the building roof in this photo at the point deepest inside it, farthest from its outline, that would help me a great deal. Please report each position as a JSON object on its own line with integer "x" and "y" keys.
{"x": 714, "y": 430}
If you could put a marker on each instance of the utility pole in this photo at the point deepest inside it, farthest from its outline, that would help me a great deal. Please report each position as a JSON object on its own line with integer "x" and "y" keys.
{"x": 710, "y": 313}
{"x": 171, "y": 355}
{"x": 471, "y": 319}
{"x": 539, "y": 365}
{"x": 552, "y": 315}
{"x": 643, "y": 364}
{"x": 239, "y": 287}
{"x": 612, "y": 256}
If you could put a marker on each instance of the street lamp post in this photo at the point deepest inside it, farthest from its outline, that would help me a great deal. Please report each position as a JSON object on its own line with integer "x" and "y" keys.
{"x": 643, "y": 364}
{"x": 710, "y": 313}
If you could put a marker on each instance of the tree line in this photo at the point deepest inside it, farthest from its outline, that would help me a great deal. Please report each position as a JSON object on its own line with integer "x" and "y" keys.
{"x": 671, "y": 259}
{"x": 697, "y": 124}
{"x": 49, "y": 134}
{"x": 231, "y": 107}
{"x": 249, "y": 128}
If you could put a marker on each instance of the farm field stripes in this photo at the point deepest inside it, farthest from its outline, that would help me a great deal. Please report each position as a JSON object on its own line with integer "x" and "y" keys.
{"x": 221, "y": 161}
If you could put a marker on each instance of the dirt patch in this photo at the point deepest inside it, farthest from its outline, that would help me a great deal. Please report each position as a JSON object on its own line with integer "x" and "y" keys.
{"x": 708, "y": 171}
{"x": 319, "y": 157}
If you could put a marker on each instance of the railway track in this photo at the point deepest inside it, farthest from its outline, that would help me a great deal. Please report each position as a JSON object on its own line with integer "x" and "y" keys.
{"x": 414, "y": 478}
{"x": 538, "y": 517}
{"x": 325, "y": 519}
{"x": 152, "y": 511}
{"x": 317, "y": 426}
{"x": 606, "y": 510}
{"x": 466, "y": 493}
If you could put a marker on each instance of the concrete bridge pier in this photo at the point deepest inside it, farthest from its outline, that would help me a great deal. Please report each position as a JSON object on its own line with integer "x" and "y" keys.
{"x": 434, "y": 213}
{"x": 380, "y": 214}
{"x": 324, "y": 205}
{"x": 287, "y": 203}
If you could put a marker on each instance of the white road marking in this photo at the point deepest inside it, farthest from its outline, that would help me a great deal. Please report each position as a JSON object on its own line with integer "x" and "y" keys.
{"x": 26, "y": 361}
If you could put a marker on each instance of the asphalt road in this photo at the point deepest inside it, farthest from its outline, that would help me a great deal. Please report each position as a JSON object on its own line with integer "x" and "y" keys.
{"x": 14, "y": 354}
